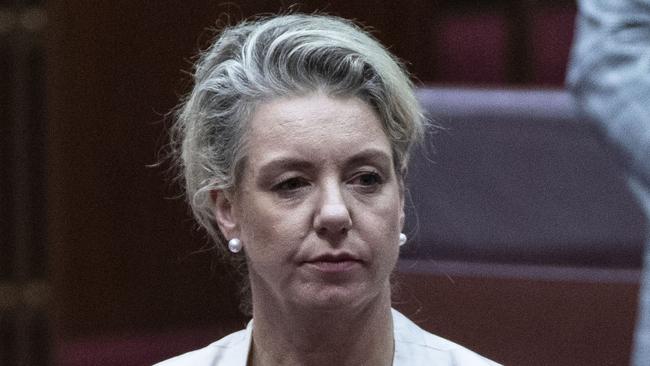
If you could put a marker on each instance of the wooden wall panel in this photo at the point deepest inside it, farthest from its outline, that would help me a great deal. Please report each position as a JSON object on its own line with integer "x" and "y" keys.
{"x": 122, "y": 251}
{"x": 24, "y": 286}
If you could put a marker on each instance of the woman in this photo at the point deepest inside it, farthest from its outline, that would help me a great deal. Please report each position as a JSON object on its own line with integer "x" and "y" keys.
{"x": 294, "y": 143}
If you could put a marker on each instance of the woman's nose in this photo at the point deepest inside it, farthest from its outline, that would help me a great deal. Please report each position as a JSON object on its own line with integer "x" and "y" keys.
{"x": 332, "y": 216}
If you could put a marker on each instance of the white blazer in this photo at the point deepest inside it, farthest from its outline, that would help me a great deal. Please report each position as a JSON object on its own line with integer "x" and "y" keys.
{"x": 413, "y": 347}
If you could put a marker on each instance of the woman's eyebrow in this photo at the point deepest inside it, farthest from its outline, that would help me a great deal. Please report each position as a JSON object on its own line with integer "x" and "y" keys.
{"x": 274, "y": 165}
{"x": 371, "y": 155}
{"x": 283, "y": 163}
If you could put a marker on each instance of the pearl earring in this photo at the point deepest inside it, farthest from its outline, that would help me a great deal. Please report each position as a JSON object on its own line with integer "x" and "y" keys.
{"x": 402, "y": 239}
{"x": 234, "y": 245}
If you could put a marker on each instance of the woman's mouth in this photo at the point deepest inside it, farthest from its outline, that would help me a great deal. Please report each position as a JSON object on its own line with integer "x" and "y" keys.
{"x": 334, "y": 263}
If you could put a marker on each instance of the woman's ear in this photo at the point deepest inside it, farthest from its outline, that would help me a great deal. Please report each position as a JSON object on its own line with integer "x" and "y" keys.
{"x": 223, "y": 213}
{"x": 402, "y": 198}
{"x": 402, "y": 215}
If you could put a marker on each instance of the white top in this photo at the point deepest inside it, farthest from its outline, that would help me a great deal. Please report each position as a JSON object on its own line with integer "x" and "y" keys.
{"x": 413, "y": 347}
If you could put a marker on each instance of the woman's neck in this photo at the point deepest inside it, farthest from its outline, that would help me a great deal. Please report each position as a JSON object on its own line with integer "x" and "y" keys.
{"x": 290, "y": 336}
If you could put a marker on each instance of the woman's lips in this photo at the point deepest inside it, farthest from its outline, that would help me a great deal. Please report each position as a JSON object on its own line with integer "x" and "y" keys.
{"x": 334, "y": 264}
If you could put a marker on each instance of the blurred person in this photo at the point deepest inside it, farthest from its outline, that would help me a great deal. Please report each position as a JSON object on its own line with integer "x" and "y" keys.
{"x": 609, "y": 74}
{"x": 293, "y": 147}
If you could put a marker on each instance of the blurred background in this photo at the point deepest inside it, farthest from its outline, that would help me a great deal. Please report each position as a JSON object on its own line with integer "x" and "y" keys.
{"x": 101, "y": 263}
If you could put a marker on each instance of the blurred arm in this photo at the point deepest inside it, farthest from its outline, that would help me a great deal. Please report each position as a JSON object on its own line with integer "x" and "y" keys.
{"x": 609, "y": 74}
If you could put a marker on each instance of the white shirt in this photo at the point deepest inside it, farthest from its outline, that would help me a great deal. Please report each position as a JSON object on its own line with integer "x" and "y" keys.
{"x": 413, "y": 347}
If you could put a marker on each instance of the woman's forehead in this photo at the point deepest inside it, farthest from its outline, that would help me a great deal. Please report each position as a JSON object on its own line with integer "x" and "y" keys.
{"x": 314, "y": 115}
{"x": 314, "y": 124}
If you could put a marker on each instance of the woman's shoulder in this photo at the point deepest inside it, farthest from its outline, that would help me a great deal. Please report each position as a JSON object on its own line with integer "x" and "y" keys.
{"x": 230, "y": 350}
{"x": 415, "y": 346}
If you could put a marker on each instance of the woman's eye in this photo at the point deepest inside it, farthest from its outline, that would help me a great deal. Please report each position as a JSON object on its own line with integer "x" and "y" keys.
{"x": 367, "y": 180}
{"x": 290, "y": 184}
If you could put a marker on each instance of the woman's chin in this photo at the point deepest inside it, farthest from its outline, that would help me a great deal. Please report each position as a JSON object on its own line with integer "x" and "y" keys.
{"x": 334, "y": 298}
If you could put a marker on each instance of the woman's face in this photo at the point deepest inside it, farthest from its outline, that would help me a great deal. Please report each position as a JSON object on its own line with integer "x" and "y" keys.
{"x": 319, "y": 207}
